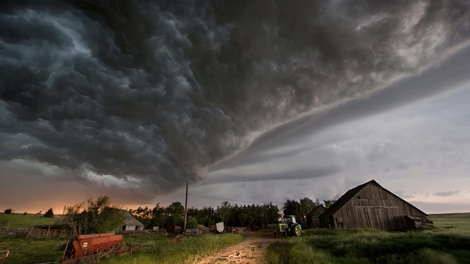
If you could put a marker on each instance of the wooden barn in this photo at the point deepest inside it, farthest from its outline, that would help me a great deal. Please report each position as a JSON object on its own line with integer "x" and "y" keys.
{"x": 371, "y": 206}
{"x": 313, "y": 218}
{"x": 130, "y": 223}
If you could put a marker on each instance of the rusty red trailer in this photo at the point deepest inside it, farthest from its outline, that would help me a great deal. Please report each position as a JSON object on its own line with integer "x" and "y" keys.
{"x": 94, "y": 243}
{"x": 90, "y": 248}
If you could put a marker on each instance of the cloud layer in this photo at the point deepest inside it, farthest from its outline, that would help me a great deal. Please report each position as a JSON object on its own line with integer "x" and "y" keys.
{"x": 147, "y": 95}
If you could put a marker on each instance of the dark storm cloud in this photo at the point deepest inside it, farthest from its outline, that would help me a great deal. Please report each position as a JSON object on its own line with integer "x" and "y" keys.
{"x": 156, "y": 90}
{"x": 295, "y": 174}
{"x": 451, "y": 73}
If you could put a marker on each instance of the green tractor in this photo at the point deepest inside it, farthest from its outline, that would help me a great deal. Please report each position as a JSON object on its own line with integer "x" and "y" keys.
{"x": 288, "y": 227}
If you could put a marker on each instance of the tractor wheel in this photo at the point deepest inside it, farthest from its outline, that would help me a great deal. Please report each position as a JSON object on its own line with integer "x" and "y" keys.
{"x": 296, "y": 230}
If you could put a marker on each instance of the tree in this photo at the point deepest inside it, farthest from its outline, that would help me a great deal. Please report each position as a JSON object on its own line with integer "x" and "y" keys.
{"x": 95, "y": 217}
{"x": 192, "y": 223}
{"x": 306, "y": 205}
{"x": 175, "y": 213}
{"x": 49, "y": 213}
{"x": 328, "y": 203}
{"x": 292, "y": 207}
{"x": 223, "y": 212}
{"x": 158, "y": 216}
{"x": 7, "y": 211}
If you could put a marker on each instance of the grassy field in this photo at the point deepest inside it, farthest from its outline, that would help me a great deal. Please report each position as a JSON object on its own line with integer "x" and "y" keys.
{"x": 448, "y": 242}
{"x": 36, "y": 250}
{"x": 190, "y": 250}
{"x": 157, "y": 249}
{"x": 20, "y": 220}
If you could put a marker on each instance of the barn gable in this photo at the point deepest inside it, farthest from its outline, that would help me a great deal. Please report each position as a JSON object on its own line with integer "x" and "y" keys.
{"x": 369, "y": 206}
{"x": 130, "y": 223}
{"x": 313, "y": 217}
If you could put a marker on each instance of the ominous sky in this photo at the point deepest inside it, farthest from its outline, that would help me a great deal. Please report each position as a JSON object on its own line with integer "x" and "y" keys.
{"x": 249, "y": 101}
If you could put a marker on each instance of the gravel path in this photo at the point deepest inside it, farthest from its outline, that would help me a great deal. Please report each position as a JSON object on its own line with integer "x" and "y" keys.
{"x": 251, "y": 251}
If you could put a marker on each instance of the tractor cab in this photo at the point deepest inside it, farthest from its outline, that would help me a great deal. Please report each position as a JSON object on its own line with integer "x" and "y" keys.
{"x": 288, "y": 219}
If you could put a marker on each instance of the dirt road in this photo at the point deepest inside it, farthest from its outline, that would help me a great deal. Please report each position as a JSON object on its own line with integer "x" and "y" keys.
{"x": 251, "y": 251}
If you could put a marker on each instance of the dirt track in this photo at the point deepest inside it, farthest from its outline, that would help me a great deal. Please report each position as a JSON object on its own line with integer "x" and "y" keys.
{"x": 251, "y": 251}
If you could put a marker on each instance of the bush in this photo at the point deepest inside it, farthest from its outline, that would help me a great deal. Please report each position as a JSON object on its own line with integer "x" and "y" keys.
{"x": 49, "y": 213}
{"x": 95, "y": 216}
{"x": 7, "y": 211}
{"x": 192, "y": 223}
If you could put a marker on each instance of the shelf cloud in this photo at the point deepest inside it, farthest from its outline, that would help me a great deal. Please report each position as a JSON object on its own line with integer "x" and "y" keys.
{"x": 148, "y": 94}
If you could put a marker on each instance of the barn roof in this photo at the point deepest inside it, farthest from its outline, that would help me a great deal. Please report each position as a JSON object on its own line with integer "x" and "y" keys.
{"x": 130, "y": 220}
{"x": 316, "y": 208}
{"x": 350, "y": 194}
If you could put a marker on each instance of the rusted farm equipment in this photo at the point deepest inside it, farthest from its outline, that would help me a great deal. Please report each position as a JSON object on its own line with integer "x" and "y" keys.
{"x": 91, "y": 248}
{"x": 4, "y": 251}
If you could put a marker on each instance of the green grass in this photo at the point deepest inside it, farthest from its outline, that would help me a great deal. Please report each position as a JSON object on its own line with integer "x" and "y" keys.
{"x": 448, "y": 242}
{"x": 451, "y": 223}
{"x": 20, "y": 220}
{"x": 156, "y": 249}
{"x": 25, "y": 251}
{"x": 189, "y": 250}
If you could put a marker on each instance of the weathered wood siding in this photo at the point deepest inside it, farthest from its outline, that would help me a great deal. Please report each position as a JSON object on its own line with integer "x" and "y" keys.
{"x": 313, "y": 218}
{"x": 374, "y": 207}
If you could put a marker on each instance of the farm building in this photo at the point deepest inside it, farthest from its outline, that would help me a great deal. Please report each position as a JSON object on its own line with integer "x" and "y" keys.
{"x": 313, "y": 218}
{"x": 131, "y": 223}
{"x": 41, "y": 231}
{"x": 371, "y": 206}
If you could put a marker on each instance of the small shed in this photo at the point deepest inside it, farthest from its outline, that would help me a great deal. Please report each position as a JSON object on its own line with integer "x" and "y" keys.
{"x": 43, "y": 231}
{"x": 370, "y": 206}
{"x": 130, "y": 223}
{"x": 204, "y": 229}
{"x": 313, "y": 218}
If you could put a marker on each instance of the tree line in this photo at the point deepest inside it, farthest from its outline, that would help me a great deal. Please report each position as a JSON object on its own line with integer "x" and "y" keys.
{"x": 230, "y": 214}
{"x": 99, "y": 216}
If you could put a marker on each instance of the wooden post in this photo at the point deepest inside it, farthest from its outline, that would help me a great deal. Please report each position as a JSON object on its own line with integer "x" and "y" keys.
{"x": 185, "y": 209}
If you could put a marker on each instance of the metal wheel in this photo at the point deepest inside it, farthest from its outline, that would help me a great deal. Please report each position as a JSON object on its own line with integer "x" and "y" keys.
{"x": 297, "y": 230}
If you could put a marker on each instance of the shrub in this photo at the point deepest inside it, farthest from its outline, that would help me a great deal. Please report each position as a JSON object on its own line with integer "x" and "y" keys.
{"x": 192, "y": 223}
{"x": 7, "y": 211}
{"x": 95, "y": 216}
{"x": 49, "y": 213}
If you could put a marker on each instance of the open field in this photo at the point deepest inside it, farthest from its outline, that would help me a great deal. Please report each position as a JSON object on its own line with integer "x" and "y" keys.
{"x": 451, "y": 223}
{"x": 36, "y": 250}
{"x": 156, "y": 249}
{"x": 20, "y": 220}
{"x": 448, "y": 242}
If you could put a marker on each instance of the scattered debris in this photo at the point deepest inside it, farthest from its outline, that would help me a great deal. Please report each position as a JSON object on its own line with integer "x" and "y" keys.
{"x": 4, "y": 251}
{"x": 178, "y": 239}
{"x": 418, "y": 222}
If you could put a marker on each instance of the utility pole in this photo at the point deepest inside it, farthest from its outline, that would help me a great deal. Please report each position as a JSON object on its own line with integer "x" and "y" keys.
{"x": 186, "y": 209}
